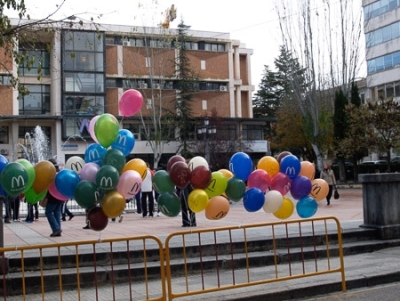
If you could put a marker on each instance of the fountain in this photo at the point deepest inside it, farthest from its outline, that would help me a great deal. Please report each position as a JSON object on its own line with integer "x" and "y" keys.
{"x": 36, "y": 148}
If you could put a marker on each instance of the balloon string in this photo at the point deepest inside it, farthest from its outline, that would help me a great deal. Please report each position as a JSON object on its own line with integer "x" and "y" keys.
{"x": 122, "y": 119}
{"x": 99, "y": 239}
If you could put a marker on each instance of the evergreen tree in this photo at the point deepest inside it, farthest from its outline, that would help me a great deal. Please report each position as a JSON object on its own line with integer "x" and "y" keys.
{"x": 186, "y": 82}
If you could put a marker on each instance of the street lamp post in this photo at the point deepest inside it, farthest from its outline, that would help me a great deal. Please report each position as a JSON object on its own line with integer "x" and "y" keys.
{"x": 207, "y": 130}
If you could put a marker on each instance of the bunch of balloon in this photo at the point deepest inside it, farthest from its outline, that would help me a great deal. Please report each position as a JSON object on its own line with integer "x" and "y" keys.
{"x": 292, "y": 186}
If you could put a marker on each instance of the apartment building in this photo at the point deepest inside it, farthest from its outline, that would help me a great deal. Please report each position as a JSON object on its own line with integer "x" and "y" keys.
{"x": 85, "y": 70}
{"x": 382, "y": 36}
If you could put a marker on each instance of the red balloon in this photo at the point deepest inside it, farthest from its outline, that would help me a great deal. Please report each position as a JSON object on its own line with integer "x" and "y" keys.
{"x": 283, "y": 155}
{"x": 180, "y": 174}
{"x": 130, "y": 102}
{"x": 174, "y": 159}
{"x": 200, "y": 177}
{"x": 97, "y": 220}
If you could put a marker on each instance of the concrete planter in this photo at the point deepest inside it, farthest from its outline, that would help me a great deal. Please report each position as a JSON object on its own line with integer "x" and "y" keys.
{"x": 381, "y": 203}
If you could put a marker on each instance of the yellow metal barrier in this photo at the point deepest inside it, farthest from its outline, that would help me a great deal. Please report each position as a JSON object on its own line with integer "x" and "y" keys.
{"x": 193, "y": 262}
{"x": 110, "y": 269}
{"x": 214, "y": 260}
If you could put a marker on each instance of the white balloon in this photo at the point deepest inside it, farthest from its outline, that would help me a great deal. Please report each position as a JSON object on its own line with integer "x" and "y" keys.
{"x": 75, "y": 163}
{"x": 197, "y": 161}
{"x": 273, "y": 201}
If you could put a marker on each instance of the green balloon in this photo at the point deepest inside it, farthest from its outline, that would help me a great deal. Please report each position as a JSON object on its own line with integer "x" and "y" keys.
{"x": 31, "y": 173}
{"x": 217, "y": 185}
{"x": 14, "y": 178}
{"x": 162, "y": 182}
{"x": 114, "y": 157}
{"x": 86, "y": 194}
{"x": 32, "y": 197}
{"x": 169, "y": 204}
{"x": 106, "y": 129}
{"x": 236, "y": 189}
{"x": 107, "y": 178}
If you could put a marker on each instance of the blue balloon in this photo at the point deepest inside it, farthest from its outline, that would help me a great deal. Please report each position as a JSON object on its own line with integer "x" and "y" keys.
{"x": 291, "y": 166}
{"x": 95, "y": 153}
{"x": 66, "y": 182}
{"x": 306, "y": 207}
{"x": 300, "y": 186}
{"x": 241, "y": 165}
{"x": 3, "y": 162}
{"x": 253, "y": 199}
{"x": 124, "y": 142}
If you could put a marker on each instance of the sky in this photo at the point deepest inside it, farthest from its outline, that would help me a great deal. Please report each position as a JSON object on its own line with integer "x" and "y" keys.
{"x": 253, "y": 22}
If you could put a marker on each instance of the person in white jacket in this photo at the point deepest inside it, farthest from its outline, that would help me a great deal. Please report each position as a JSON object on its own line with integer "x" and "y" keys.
{"x": 147, "y": 194}
{"x": 328, "y": 175}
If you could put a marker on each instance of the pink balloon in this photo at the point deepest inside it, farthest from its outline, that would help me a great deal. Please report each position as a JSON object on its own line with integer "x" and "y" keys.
{"x": 130, "y": 102}
{"x": 281, "y": 182}
{"x": 260, "y": 179}
{"x": 129, "y": 184}
{"x": 89, "y": 172}
{"x": 54, "y": 192}
{"x": 91, "y": 128}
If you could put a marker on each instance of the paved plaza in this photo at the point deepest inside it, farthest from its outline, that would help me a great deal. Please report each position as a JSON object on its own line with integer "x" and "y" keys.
{"x": 348, "y": 209}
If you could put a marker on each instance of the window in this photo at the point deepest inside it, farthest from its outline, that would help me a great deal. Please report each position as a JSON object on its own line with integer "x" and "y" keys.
{"x": 4, "y": 134}
{"x": 380, "y": 7}
{"x": 37, "y": 102}
{"x": 252, "y": 132}
{"x": 397, "y": 89}
{"x": 384, "y": 62}
{"x": 5, "y": 80}
{"x": 83, "y": 105}
{"x": 36, "y": 60}
{"x": 227, "y": 132}
{"x": 77, "y": 126}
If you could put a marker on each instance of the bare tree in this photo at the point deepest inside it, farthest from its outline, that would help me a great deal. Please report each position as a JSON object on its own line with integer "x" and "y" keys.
{"x": 325, "y": 39}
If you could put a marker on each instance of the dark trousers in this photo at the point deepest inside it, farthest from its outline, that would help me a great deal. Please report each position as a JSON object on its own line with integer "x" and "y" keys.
{"x": 188, "y": 216}
{"x": 65, "y": 211}
{"x": 147, "y": 197}
{"x": 30, "y": 215}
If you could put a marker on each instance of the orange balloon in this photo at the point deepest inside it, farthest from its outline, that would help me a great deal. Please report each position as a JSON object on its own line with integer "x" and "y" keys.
{"x": 137, "y": 165}
{"x": 113, "y": 204}
{"x": 45, "y": 174}
{"x": 319, "y": 189}
{"x": 269, "y": 164}
{"x": 227, "y": 173}
{"x": 217, "y": 208}
{"x": 307, "y": 170}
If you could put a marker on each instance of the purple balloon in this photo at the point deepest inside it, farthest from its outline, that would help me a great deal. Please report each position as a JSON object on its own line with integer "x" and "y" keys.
{"x": 89, "y": 171}
{"x": 300, "y": 187}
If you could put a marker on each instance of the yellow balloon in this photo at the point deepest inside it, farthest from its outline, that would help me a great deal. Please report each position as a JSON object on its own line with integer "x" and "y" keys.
{"x": 269, "y": 164}
{"x": 113, "y": 204}
{"x": 217, "y": 208}
{"x": 286, "y": 210}
{"x": 137, "y": 165}
{"x": 197, "y": 200}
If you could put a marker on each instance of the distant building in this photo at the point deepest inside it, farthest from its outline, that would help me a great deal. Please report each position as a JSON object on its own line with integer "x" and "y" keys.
{"x": 86, "y": 70}
{"x": 382, "y": 36}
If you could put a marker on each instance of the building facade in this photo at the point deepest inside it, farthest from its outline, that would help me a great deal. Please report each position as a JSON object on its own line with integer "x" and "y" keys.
{"x": 382, "y": 36}
{"x": 85, "y": 70}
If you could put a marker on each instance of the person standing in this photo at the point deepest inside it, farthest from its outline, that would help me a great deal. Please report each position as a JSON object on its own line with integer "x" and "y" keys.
{"x": 65, "y": 212}
{"x": 328, "y": 175}
{"x": 15, "y": 203}
{"x": 147, "y": 194}
{"x": 7, "y": 208}
{"x": 188, "y": 216}
{"x": 53, "y": 209}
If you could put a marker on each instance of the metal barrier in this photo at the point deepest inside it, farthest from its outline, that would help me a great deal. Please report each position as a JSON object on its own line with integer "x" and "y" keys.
{"x": 215, "y": 260}
{"x": 193, "y": 262}
{"x": 110, "y": 269}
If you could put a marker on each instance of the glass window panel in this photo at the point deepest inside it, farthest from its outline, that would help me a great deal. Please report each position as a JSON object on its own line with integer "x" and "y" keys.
{"x": 395, "y": 29}
{"x": 99, "y": 42}
{"x": 214, "y": 47}
{"x": 389, "y": 90}
{"x": 221, "y": 47}
{"x": 83, "y": 40}
{"x": 99, "y": 83}
{"x": 379, "y": 63}
{"x": 386, "y": 33}
{"x": 371, "y": 66}
{"x": 377, "y": 36}
{"x": 387, "y": 59}
{"x": 86, "y": 82}
{"x": 68, "y": 40}
{"x": 397, "y": 89}
{"x": 139, "y": 43}
{"x": 99, "y": 62}
{"x": 4, "y": 134}
{"x": 396, "y": 58}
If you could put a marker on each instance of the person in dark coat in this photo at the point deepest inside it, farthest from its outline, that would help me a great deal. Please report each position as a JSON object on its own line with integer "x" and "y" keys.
{"x": 53, "y": 209}
{"x": 188, "y": 216}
